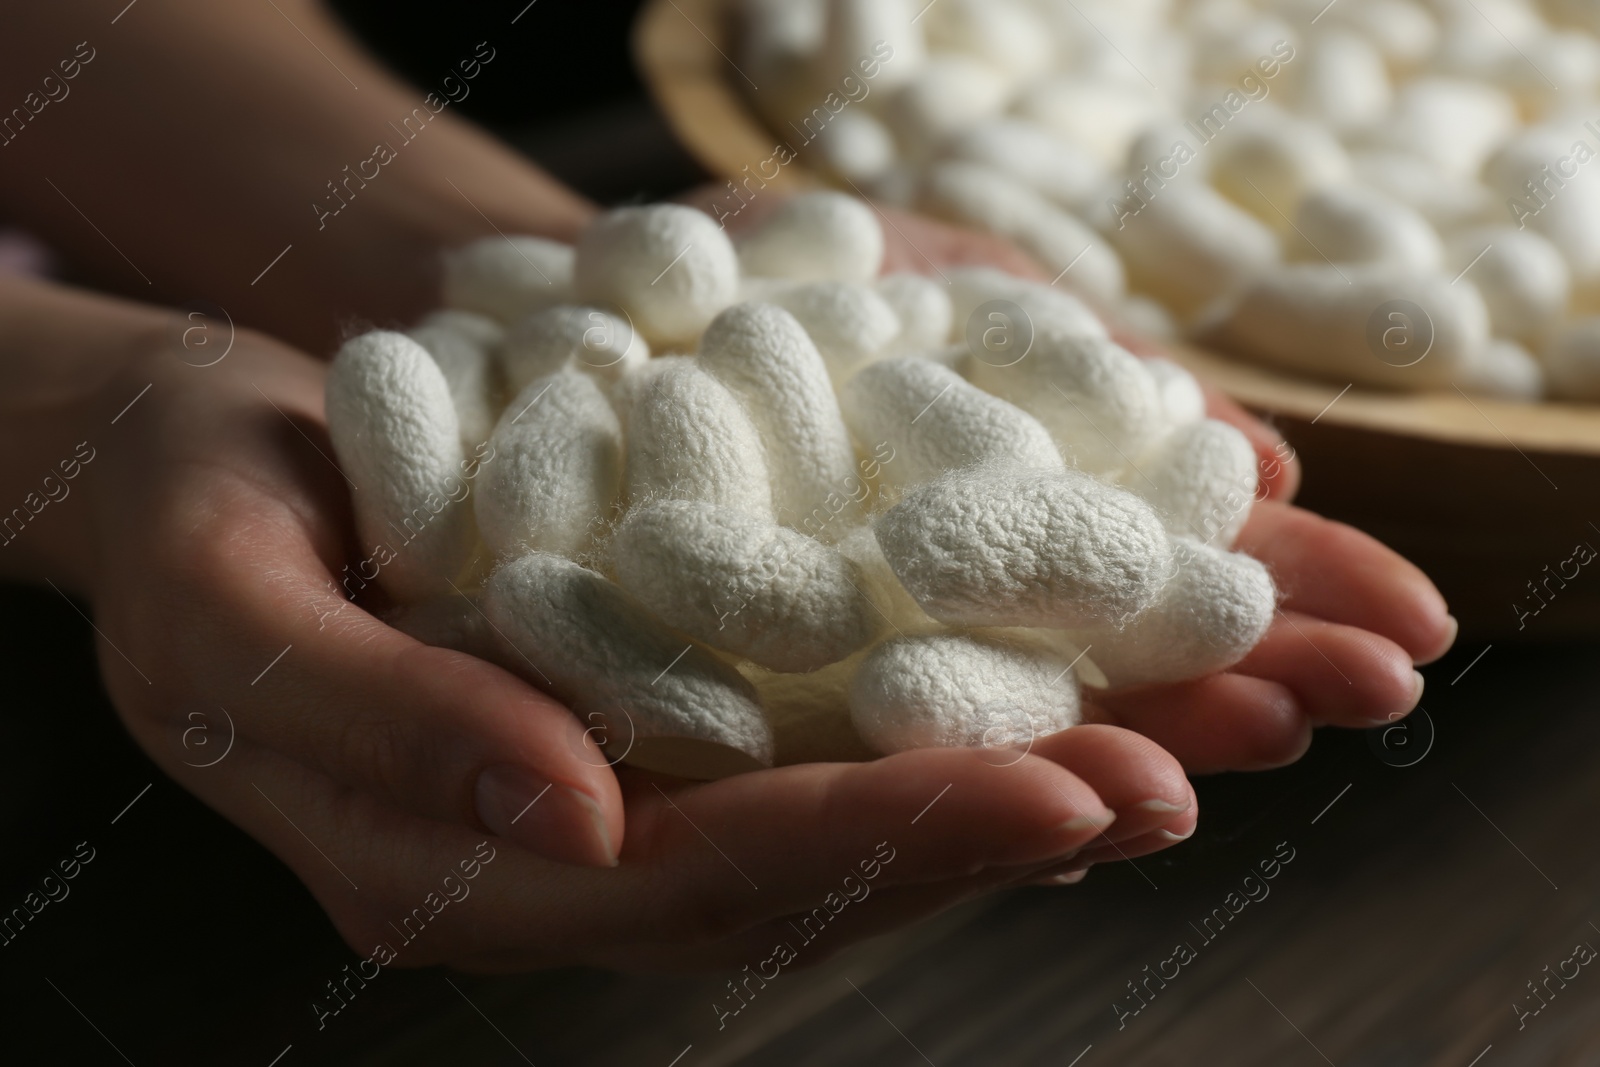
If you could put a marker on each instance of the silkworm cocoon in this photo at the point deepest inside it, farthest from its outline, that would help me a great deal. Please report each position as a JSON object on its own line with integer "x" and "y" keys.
{"x": 485, "y": 332}
{"x": 588, "y": 339}
{"x": 812, "y": 237}
{"x": 849, "y": 324}
{"x": 1122, "y": 16}
{"x": 979, "y": 195}
{"x": 1076, "y": 255}
{"x": 1095, "y": 397}
{"x": 1269, "y": 167}
{"x": 508, "y": 277}
{"x": 1349, "y": 224}
{"x": 936, "y": 421}
{"x": 557, "y": 468}
{"x": 766, "y": 359}
{"x": 1188, "y": 246}
{"x": 627, "y": 389}
{"x": 1215, "y": 608}
{"x": 1474, "y": 39}
{"x": 1454, "y": 122}
{"x": 856, "y": 146}
{"x": 781, "y": 29}
{"x": 398, "y": 440}
{"x": 1224, "y": 50}
{"x": 951, "y": 690}
{"x": 1569, "y": 67}
{"x": 1201, "y": 479}
{"x": 1564, "y": 209}
{"x": 1167, "y": 146}
{"x": 1145, "y": 318}
{"x": 1101, "y": 117}
{"x": 894, "y": 604}
{"x": 1007, "y": 36}
{"x": 923, "y": 307}
{"x": 670, "y": 268}
{"x": 1504, "y": 369}
{"x": 946, "y": 95}
{"x": 1572, "y": 360}
{"x": 689, "y": 439}
{"x": 735, "y": 582}
{"x": 1159, "y": 48}
{"x": 859, "y": 31}
{"x": 1402, "y": 30}
{"x": 1447, "y": 200}
{"x": 1026, "y": 152}
{"x": 1182, "y": 400}
{"x": 1522, "y": 276}
{"x": 468, "y": 368}
{"x": 996, "y": 546}
{"x": 763, "y": 290}
{"x": 1055, "y": 643}
{"x": 954, "y": 357}
{"x": 1212, "y": 19}
{"x": 1045, "y": 306}
{"x": 595, "y": 648}
{"x": 1357, "y": 324}
{"x": 897, "y": 186}
{"x": 1342, "y": 81}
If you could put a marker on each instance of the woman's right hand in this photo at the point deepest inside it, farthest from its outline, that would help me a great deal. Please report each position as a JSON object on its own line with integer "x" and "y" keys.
{"x": 373, "y": 765}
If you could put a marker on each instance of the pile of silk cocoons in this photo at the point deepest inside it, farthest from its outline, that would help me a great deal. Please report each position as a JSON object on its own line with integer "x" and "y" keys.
{"x": 1402, "y": 194}
{"x": 740, "y": 505}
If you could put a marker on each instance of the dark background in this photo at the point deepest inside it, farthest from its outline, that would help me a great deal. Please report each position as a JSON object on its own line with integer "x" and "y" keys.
{"x": 565, "y": 91}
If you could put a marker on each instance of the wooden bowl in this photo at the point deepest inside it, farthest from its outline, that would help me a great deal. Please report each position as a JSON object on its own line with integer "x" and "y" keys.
{"x": 1491, "y": 498}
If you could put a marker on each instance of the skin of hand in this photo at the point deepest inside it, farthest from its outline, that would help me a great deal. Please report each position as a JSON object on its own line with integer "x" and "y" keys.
{"x": 200, "y": 142}
{"x": 210, "y": 531}
{"x": 218, "y": 527}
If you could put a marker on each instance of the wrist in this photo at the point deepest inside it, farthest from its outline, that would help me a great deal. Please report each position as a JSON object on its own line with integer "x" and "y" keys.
{"x": 64, "y": 357}
{"x": 46, "y": 509}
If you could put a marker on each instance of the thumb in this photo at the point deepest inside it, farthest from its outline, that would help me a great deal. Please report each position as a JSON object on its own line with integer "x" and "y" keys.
{"x": 429, "y": 730}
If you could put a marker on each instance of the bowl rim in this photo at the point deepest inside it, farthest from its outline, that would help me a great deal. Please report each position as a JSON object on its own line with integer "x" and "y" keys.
{"x": 681, "y": 48}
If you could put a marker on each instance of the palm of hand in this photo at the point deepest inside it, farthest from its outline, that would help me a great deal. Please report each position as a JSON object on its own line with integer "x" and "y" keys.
{"x": 224, "y": 525}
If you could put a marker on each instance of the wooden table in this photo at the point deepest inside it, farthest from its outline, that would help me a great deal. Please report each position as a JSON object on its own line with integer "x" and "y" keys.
{"x": 1419, "y": 902}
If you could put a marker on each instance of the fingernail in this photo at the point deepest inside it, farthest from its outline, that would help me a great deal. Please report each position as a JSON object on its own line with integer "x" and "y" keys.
{"x": 1070, "y": 878}
{"x": 1418, "y": 683}
{"x": 1170, "y": 836}
{"x": 1163, "y": 807}
{"x": 1079, "y": 823}
{"x": 553, "y": 821}
{"x": 1455, "y": 631}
